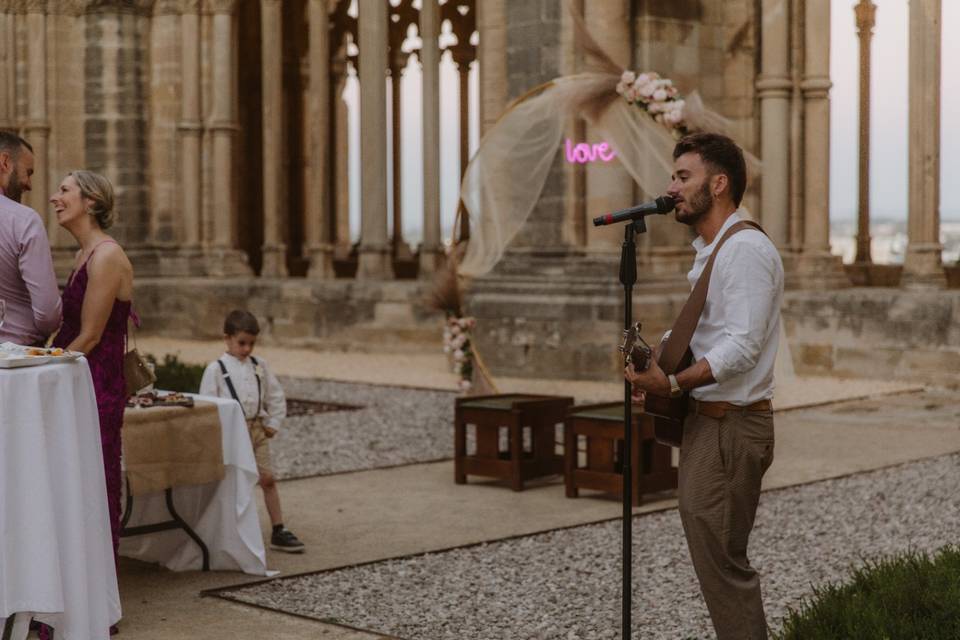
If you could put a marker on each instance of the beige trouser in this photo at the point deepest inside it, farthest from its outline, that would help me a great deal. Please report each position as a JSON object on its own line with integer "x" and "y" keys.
{"x": 721, "y": 464}
{"x": 261, "y": 445}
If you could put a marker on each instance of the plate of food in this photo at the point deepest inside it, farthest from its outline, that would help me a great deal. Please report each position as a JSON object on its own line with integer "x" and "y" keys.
{"x": 15, "y": 355}
{"x": 160, "y": 399}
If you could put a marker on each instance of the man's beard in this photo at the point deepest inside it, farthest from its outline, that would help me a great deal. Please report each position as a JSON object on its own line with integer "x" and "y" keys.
{"x": 14, "y": 189}
{"x": 698, "y": 205}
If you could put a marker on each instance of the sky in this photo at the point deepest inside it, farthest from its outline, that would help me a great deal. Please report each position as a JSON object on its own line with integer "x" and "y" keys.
{"x": 888, "y": 135}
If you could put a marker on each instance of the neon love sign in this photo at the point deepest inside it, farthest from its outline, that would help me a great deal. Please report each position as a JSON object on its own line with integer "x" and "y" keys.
{"x": 583, "y": 152}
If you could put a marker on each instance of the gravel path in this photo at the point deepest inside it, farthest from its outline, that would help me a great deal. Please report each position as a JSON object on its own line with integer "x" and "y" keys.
{"x": 395, "y": 426}
{"x": 565, "y": 584}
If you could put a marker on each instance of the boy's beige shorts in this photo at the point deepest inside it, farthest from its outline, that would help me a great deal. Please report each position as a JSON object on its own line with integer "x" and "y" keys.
{"x": 261, "y": 445}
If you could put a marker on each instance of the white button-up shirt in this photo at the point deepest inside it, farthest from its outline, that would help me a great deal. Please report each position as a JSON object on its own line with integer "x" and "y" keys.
{"x": 739, "y": 330}
{"x": 272, "y": 401}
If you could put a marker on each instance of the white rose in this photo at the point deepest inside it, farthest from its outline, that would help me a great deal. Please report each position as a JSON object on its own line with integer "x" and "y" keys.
{"x": 458, "y": 355}
{"x": 648, "y": 89}
{"x": 628, "y": 77}
{"x": 446, "y": 348}
{"x": 455, "y": 329}
{"x": 643, "y": 79}
{"x": 660, "y": 95}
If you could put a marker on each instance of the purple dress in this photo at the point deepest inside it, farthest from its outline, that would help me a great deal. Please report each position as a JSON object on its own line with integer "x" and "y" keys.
{"x": 106, "y": 368}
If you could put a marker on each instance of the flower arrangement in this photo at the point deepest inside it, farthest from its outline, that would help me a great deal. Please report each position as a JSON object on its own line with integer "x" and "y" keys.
{"x": 657, "y": 96}
{"x": 456, "y": 343}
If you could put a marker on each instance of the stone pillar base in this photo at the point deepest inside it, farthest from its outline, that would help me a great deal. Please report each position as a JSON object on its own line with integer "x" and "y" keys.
{"x": 374, "y": 264}
{"x": 159, "y": 261}
{"x": 923, "y": 267}
{"x": 431, "y": 261}
{"x": 321, "y": 262}
{"x": 813, "y": 270}
{"x": 274, "y": 261}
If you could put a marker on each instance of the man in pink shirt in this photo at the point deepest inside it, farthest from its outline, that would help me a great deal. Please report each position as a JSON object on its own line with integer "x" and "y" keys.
{"x": 28, "y": 284}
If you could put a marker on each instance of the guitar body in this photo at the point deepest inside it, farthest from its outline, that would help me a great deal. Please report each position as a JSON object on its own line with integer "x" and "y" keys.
{"x": 668, "y": 416}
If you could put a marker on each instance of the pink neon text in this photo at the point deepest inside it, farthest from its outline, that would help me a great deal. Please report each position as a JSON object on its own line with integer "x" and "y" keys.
{"x": 583, "y": 153}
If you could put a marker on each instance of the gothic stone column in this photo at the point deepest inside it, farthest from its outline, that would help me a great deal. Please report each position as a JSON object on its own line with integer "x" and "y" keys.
{"x": 774, "y": 87}
{"x": 318, "y": 224}
{"x": 164, "y": 197}
{"x": 223, "y": 124}
{"x": 816, "y": 267}
{"x": 37, "y": 127}
{"x": 271, "y": 43}
{"x": 190, "y": 126}
{"x": 374, "y": 249}
{"x": 923, "y": 264}
{"x": 431, "y": 251}
{"x": 7, "y": 66}
{"x": 866, "y": 16}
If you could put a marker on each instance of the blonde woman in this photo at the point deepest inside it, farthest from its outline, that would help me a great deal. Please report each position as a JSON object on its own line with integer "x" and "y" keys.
{"x": 96, "y": 305}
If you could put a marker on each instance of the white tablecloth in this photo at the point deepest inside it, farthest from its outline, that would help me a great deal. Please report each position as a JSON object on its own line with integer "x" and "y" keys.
{"x": 223, "y": 514}
{"x": 56, "y": 554}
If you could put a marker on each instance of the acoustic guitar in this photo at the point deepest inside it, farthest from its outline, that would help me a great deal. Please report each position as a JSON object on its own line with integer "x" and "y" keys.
{"x": 668, "y": 413}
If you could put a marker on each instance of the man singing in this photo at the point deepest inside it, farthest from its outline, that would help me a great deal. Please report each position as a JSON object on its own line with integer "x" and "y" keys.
{"x": 728, "y": 434}
{"x": 28, "y": 285}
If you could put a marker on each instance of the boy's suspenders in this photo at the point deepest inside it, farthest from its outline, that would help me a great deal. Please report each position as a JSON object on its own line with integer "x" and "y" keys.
{"x": 233, "y": 390}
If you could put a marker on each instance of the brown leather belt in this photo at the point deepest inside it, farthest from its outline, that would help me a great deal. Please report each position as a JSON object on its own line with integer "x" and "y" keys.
{"x": 719, "y": 409}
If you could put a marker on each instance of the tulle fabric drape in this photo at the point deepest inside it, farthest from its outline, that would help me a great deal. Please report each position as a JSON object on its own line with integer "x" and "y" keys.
{"x": 506, "y": 176}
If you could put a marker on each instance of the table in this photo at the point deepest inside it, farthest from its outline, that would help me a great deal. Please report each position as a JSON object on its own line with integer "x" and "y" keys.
{"x": 516, "y": 412}
{"x": 165, "y": 448}
{"x": 601, "y": 426}
{"x": 222, "y": 513}
{"x": 56, "y": 553}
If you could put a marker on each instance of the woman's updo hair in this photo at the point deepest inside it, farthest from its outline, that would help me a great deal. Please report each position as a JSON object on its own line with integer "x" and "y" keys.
{"x": 94, "y": 186}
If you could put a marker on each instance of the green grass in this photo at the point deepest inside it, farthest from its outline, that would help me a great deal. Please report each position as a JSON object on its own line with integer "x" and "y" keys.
{"x": 908, "y": 596}
{"x": 174, "y": 375}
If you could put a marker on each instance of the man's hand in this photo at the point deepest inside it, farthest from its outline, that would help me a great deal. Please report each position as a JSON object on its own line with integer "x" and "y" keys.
{"x": 269, "y": 432}
{"x": 653, "y": 380}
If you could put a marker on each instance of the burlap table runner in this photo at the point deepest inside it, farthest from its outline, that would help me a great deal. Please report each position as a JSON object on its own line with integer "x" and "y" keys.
{"x": 167, "y": 447}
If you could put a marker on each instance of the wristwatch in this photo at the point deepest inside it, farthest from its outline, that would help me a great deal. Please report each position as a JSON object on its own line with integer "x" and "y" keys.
{"x": 675, "y": 390}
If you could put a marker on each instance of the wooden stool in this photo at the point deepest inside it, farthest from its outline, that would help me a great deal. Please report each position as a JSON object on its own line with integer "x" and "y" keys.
{"x": 602, "y": 427}
{"x": 516, "y": 412}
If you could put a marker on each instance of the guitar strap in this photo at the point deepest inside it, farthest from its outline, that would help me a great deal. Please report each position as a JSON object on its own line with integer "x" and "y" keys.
{"x": 676, "y": 354}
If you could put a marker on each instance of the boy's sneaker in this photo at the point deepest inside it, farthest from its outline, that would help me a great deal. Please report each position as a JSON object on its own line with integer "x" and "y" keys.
{"x": 284, "y": 540}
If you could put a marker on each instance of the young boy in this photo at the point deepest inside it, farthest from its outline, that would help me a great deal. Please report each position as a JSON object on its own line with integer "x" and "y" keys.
{"x": 238, "y": 375}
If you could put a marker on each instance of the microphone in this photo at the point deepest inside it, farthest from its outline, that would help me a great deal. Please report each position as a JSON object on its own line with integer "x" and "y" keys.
{"x": 663, "y": 204}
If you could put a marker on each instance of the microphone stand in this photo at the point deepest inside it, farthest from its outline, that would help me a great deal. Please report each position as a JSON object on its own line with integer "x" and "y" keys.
{"x": 628, "y": 277}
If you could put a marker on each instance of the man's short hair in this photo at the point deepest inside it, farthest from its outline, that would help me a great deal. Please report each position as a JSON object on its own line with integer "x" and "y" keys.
{"x": 239, "y": 321}
{"x": 721, "y": 155}
{"x": 12, "y": 143}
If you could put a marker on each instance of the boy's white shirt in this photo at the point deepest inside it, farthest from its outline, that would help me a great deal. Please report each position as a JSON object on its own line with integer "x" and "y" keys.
{"x": 273, "y": 405}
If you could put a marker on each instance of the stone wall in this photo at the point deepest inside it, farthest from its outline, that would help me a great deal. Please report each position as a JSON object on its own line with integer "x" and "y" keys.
{"x": 863, "y": 333}
{"x": 877, "y": 333}
{"x": 341, "y": 314}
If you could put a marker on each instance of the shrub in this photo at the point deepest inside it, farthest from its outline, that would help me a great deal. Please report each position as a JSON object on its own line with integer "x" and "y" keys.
{"x": 174, "y": 375}
{"x": 910, "y": 595}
